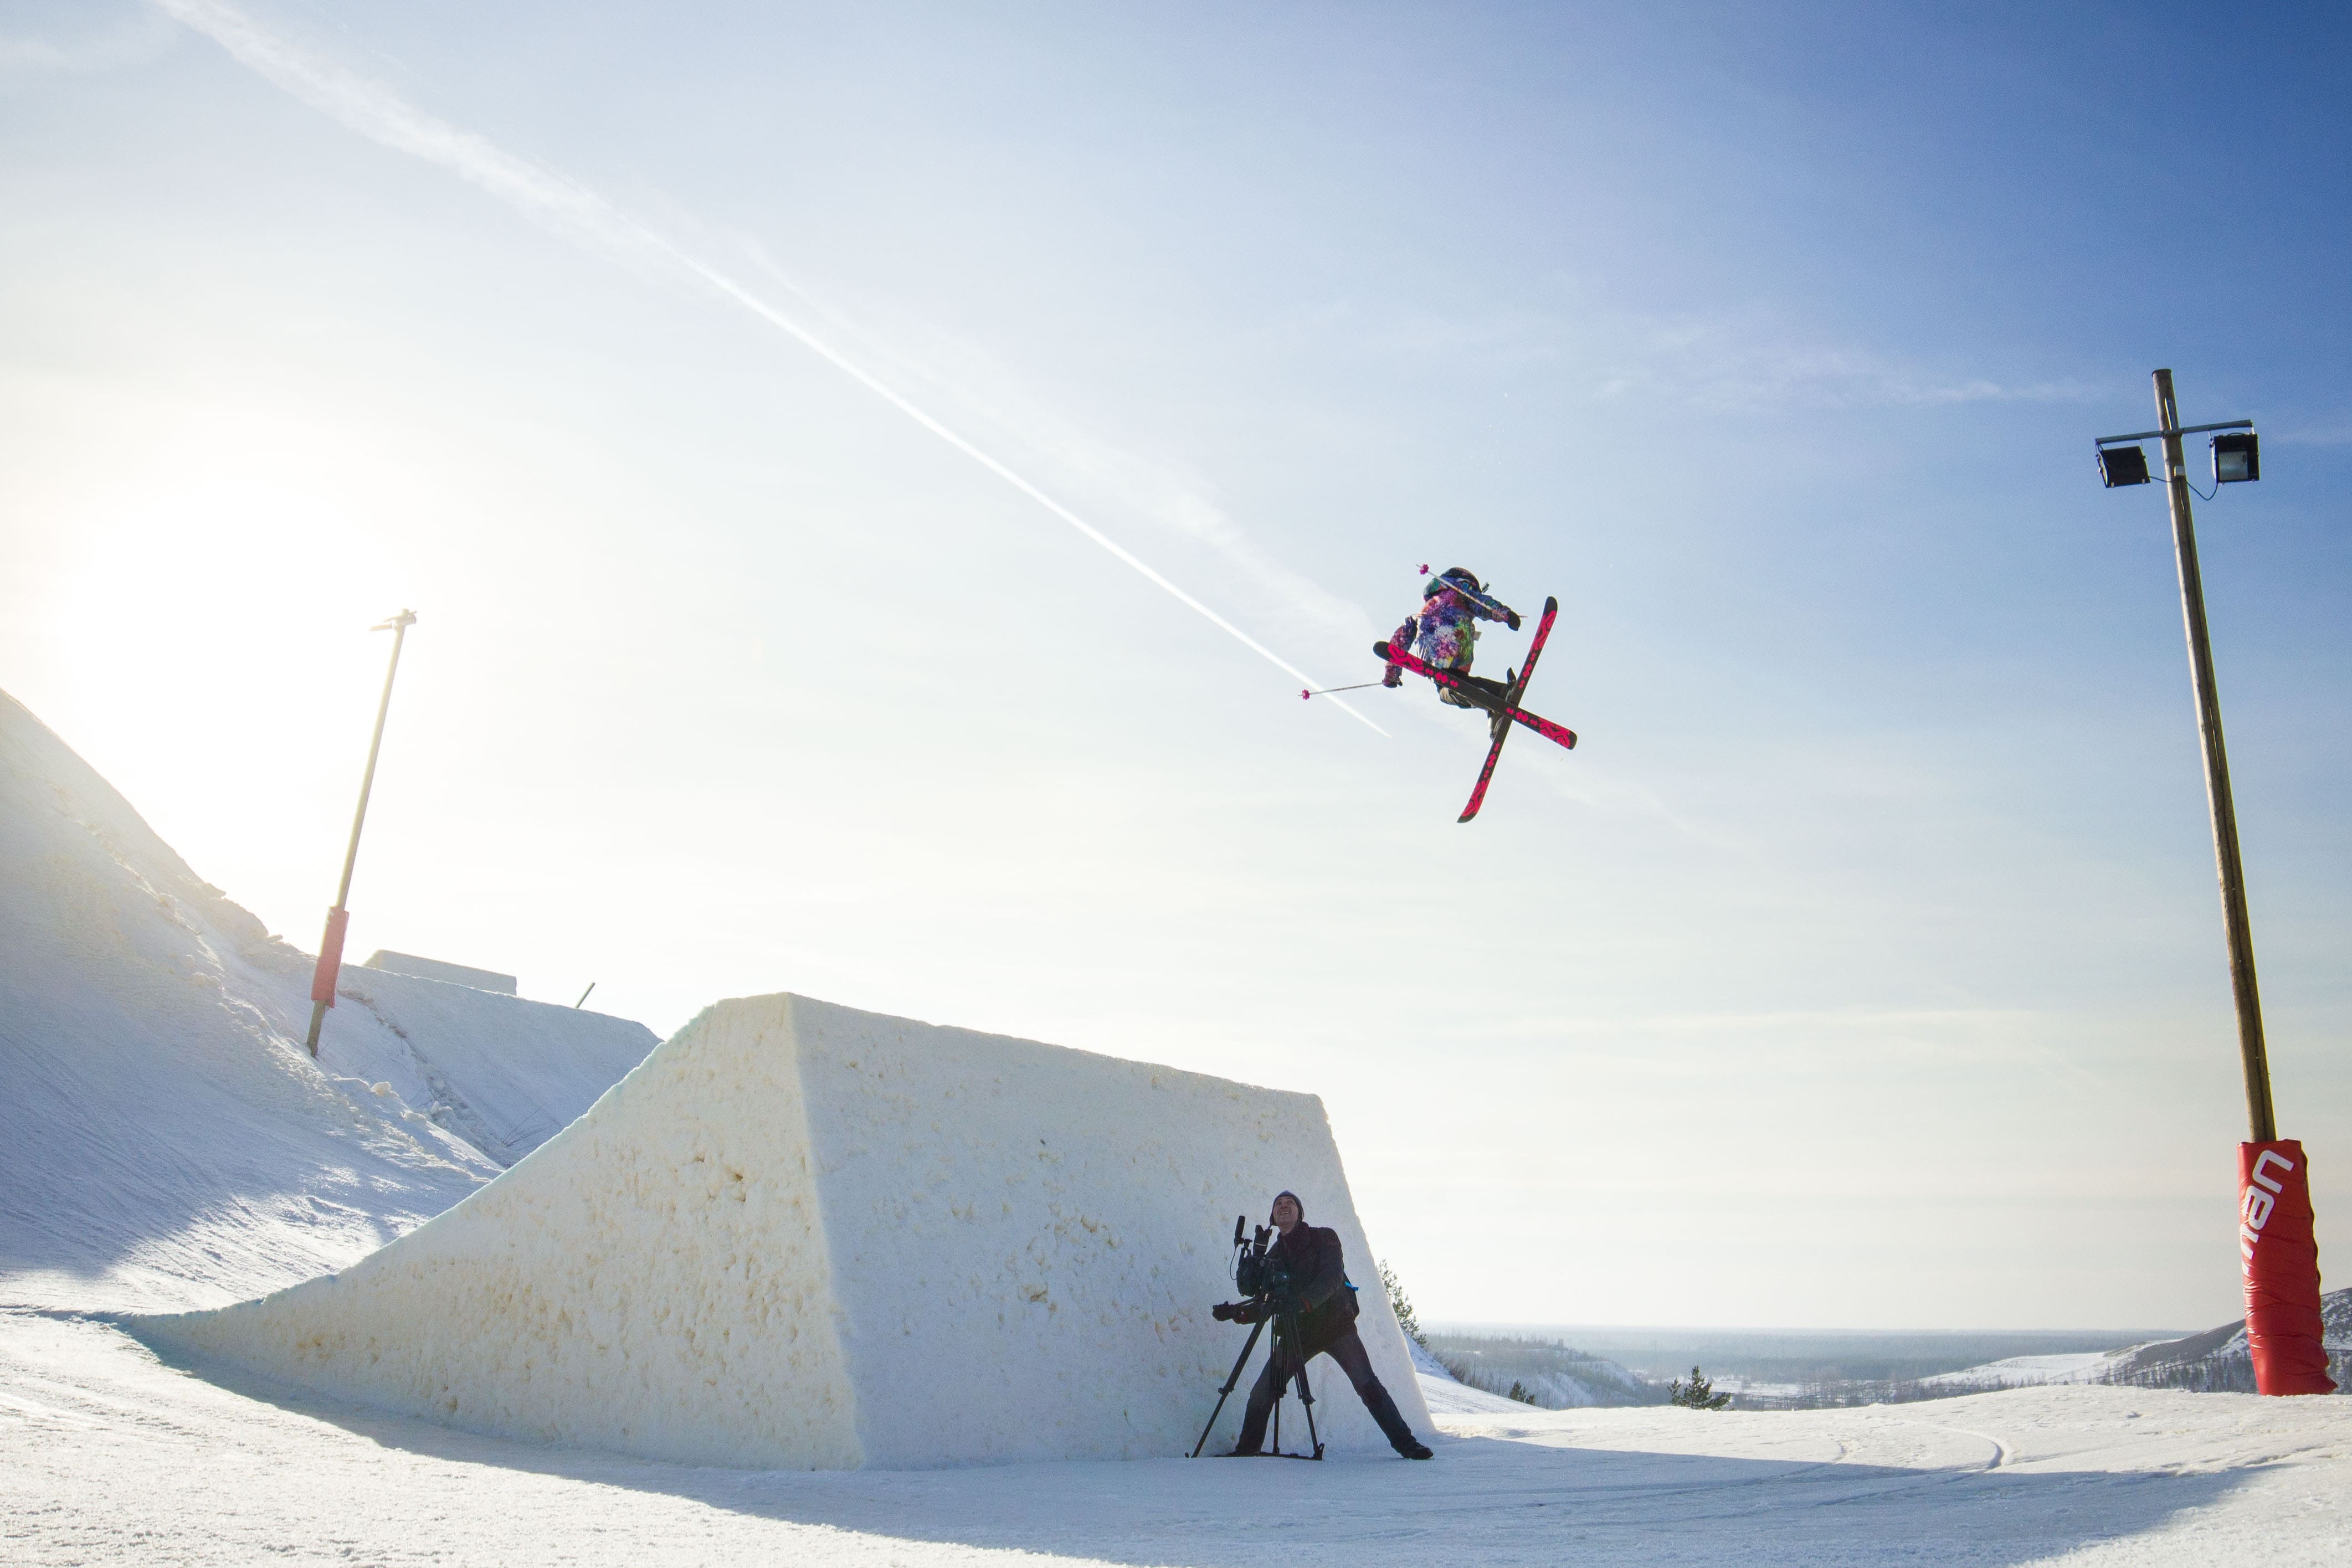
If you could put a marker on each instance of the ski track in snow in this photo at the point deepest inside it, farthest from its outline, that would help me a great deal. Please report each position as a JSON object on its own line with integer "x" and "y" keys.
{"x": 110, "y": 1456}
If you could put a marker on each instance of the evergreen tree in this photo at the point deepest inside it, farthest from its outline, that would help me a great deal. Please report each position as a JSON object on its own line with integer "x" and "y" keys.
{"x": 1698, "y": 1394}
{"x": 1401, "y": 1304}
{"x": 1519, "y": 1392}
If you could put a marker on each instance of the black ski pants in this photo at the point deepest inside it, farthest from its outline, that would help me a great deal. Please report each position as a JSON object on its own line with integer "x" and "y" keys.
{"x": 1496, "y": 691}
{"x": 1282, "y": 1365}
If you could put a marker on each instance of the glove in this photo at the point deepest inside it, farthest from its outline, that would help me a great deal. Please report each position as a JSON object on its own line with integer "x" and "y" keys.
{"x": 1225, "y": 1312}
{"x": 1511, "y": 619}
{"x": 1395, "y": 676}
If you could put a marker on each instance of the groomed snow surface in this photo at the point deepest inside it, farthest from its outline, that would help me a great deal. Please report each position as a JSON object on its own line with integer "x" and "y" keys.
{"x": 788, "y": 1203}
{"x": 109, "y": 1457}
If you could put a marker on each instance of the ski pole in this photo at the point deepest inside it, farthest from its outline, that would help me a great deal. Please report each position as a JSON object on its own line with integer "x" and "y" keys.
{"x": 1358, "y": 686}
{"x": 1479, "y": 594}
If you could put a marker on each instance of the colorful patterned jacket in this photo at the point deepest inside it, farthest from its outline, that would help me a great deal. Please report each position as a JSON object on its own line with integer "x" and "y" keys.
{"x": 1445, "y": 632}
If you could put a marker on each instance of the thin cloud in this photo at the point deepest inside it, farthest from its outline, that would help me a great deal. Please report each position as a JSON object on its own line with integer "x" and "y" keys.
{"x": 2336, "y": 435}
{"x": 125, "y": 44}
{"x": 580, "y": 214}
{"x": 1719, "y": 363}
{"x": 1160, "y": 490}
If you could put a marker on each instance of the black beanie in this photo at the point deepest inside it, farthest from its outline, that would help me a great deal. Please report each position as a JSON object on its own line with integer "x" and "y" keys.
{"x": 1293, "y": 1198}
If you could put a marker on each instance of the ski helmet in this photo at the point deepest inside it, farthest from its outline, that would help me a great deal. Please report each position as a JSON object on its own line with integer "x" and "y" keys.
{"x": 1454, "y": 577}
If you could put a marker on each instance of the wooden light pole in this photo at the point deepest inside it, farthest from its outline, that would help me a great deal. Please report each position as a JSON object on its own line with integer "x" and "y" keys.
{"x": 2237, "y": 930}
{"x": 2285, "y": 1334}
{"x": 330, "y": 943}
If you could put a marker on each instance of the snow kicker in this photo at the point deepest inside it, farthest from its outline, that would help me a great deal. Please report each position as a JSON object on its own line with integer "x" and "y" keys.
{"x": 801, "y": 1236}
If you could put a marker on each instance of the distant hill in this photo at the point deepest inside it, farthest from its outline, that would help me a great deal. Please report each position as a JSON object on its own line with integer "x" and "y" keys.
{"x": 2217, "y": 1360}
{"x": 1819, "y": 1369}
{"x": 1550, "y": 1373}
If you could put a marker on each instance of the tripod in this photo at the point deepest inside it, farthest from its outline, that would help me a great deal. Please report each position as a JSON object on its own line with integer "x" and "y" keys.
{"x": 1286, "y": 1336}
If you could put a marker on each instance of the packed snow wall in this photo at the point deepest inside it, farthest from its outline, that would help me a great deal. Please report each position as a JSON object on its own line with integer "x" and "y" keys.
{"x": 801, "y": 1235}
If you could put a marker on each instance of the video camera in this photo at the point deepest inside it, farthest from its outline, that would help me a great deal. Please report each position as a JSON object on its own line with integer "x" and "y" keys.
{"x": 1258, "y": 1272}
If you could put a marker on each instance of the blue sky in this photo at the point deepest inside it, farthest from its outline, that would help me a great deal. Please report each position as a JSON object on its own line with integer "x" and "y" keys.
{"x": 1863, "y": 966}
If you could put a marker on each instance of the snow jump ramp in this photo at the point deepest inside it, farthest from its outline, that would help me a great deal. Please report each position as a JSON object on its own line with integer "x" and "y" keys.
{"x": 801, "y": 1236}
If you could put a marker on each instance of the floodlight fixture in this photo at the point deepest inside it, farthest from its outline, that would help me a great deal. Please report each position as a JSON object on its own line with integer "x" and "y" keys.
{"x": 2122, "y": 466}
{"x": 2237, "y": 459}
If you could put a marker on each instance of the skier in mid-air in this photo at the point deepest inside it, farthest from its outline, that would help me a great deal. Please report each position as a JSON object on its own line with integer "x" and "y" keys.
{"x": 1439, "y": 644}
{"x": 1444, "y": 633}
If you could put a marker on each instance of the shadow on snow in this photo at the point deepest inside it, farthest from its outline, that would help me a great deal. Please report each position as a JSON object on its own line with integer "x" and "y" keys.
{"x": 1483, "y": 1497}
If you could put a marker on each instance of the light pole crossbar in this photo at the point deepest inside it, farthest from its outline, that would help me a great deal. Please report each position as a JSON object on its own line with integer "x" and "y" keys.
{"x": 2184, "y": 430}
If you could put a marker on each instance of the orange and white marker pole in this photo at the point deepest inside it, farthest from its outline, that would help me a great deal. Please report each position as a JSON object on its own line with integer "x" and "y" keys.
{"x": 330, "y": 943}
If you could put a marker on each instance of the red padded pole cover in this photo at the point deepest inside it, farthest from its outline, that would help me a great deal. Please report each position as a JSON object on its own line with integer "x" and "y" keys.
{"x": 330, "y": 965}
{"x": 2282, "y": 1327}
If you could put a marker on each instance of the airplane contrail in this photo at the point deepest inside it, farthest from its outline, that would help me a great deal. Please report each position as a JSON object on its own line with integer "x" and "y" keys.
{"x": 384, "y": 117}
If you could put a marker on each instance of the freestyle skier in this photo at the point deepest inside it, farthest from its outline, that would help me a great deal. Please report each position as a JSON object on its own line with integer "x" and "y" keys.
{"x": 1440, "y": 643}
{"x": 1445, "y": 634}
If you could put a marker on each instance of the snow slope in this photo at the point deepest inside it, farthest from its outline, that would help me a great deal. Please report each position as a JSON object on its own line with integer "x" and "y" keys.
{"x": 801, "y": 1236}
{"x": 503, "y": 1073}
{"x": 165, "y": 1141}
{"x": 2026, "y": 1371}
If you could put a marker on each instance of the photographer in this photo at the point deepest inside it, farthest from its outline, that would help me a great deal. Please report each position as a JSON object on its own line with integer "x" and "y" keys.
{"x": 1326, "y": 1308}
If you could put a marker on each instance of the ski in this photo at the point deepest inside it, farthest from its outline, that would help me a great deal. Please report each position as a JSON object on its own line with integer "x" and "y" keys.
{"x": 1518, "y": 687}
{"x": 1502, "y": 728}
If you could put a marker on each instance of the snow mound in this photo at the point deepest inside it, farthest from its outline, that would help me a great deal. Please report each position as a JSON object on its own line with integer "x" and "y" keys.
{"x": 801, "y": 1236}
{"x": 165, "y": 1140}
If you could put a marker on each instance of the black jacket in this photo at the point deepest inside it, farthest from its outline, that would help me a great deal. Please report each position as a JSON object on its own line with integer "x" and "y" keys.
{"x": 1319, "y": 1278}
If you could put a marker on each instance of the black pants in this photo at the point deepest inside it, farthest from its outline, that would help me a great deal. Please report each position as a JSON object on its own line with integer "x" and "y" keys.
{"x": 1281, "y": 1366}
{"x": 1494, "y": 690}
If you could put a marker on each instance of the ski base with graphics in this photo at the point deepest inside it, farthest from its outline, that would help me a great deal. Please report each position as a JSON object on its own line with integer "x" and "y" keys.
{"x": 1507, "y": 711}
{"x": 1501, "y": 728}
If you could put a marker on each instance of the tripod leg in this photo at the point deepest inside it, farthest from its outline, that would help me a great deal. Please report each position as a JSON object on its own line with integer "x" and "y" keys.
{"x": 1274, "y": 1352}
{"x": 1226, "y": 1393}
{"x": 1306, "y": 1398}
